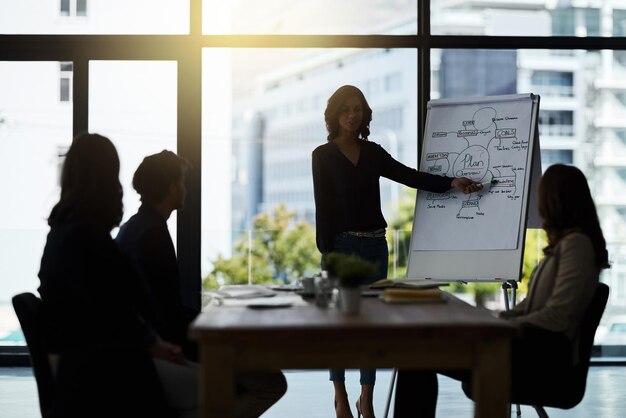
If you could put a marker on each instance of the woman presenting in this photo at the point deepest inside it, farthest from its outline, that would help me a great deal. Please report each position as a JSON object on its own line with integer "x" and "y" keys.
{"x": 349, "y": 219}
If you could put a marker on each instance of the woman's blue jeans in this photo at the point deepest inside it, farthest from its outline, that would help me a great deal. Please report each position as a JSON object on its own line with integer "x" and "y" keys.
{"x": 371, "y": 249}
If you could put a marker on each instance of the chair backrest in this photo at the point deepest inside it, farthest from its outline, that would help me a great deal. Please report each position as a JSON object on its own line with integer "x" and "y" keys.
{"x": 588, "y": 328}
{"x": 26, "y": 306}
{"x": 572, "y": 391}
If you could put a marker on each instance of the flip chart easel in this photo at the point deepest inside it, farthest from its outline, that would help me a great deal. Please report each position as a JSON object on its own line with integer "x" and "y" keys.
{"x": 480, "y": 236}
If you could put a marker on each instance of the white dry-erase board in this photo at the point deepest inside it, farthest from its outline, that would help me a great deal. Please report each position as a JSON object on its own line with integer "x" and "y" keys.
{"x": 477, "y": 236}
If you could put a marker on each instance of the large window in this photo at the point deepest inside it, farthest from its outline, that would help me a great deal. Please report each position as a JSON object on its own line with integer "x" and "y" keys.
{"x": 94, "y": 17}
{"x": 569, "y": 131}
{"x": 268, "y": 121}
{"x": 309, "y": 17}
{"x": 35, "y": 132}
{"x": 239, "y": 89}
{"x": 125, "y": 106}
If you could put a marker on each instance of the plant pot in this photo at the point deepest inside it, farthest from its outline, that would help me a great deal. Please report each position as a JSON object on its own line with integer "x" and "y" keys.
{"x": 350, "y": 298}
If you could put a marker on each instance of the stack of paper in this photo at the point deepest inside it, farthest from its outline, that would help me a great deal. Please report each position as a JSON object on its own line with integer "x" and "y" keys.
{"x": 391, "y": 295}
{"x": 405, "y": 284}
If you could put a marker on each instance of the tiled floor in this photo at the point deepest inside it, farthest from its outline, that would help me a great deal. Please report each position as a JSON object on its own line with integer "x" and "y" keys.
{"x": 310, "y": 395}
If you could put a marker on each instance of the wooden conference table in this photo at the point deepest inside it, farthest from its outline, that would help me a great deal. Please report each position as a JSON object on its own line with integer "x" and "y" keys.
{"x": 451, "y": 335}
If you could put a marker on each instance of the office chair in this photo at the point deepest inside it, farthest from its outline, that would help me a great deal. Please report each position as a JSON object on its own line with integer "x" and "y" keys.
{"x": 572, "y": 388}
{"x": 137, "y": 393}
{"x": 26, "y": 306}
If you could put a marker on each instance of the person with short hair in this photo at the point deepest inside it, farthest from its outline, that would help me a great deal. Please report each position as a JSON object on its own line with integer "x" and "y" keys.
{"x": 146, "y": 241}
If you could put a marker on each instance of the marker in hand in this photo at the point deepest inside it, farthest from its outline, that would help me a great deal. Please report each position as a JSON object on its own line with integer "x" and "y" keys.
{"x": 489, "y": 183}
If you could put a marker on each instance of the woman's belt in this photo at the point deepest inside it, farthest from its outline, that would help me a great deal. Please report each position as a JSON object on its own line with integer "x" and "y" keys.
{"x": 379, "y": 233}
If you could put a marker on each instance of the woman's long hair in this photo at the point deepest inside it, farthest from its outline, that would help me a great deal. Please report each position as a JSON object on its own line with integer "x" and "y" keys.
{"x": 90, "y": 186}
{"x": 335, "y": 105}
{"x": 565, "y": 204}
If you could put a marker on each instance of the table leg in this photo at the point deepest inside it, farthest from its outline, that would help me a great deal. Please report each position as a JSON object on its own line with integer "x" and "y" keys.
{"x": 491, "y": 379}
{"x": 217, "y": 383}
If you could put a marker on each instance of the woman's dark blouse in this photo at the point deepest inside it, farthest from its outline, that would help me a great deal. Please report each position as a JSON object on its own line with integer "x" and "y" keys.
{"x": 347, "y": 197}
{"x": 87, "y": 290}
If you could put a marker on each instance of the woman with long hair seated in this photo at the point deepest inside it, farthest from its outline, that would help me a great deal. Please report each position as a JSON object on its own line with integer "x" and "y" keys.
{"x": 560, "y": 290}
{"x": 107, "y": 361}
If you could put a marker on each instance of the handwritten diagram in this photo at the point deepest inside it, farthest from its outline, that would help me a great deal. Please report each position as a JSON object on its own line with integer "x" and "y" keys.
{"x": 487, "y": 143}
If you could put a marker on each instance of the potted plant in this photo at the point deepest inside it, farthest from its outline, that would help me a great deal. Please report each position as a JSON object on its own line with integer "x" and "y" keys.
{"x": 351, "y": 272}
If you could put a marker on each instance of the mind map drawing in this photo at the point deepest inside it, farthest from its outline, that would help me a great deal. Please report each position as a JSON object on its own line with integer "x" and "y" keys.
{"x": 484, "y": 142}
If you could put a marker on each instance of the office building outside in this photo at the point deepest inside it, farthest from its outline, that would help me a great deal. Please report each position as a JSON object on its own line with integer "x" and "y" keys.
{"x": 275, "y": 129}
{"x": 582, "y": 113}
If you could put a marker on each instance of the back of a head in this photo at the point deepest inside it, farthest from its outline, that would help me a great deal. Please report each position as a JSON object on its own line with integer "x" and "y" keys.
{"x": 156, "y": 173}
{"x": 565, "y": 203}
{"x": 90, "y": 186}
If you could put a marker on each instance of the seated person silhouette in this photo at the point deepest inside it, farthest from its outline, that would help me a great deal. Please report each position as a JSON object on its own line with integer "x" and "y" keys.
{"x": 549, "y": 318}
{"x": 106, "y": 360}
{"x": 146, "y": 241}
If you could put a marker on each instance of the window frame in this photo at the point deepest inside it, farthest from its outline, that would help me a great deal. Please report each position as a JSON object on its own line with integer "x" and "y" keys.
{"x": 65, "y": 76}
{"x": 186, "y": 50}
{"x": 73, "y": 10}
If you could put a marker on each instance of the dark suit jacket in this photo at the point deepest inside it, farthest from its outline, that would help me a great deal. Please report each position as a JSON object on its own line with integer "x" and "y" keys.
{"x": 88, "y": 316}
{"x": 88, "y": 290}
{"x": 146, "y": 241}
